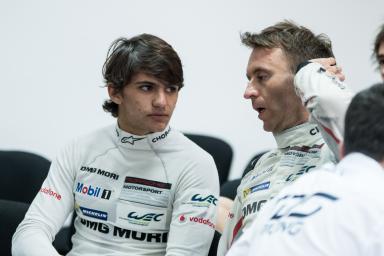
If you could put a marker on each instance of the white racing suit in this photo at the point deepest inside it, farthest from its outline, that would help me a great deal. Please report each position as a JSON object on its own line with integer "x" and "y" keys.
{"x": 133, "y": 195}
{"x": 300, "y": 149}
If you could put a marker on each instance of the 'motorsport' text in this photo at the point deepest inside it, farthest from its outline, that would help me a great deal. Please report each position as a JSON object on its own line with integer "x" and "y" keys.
{"x": 144, "y": 189}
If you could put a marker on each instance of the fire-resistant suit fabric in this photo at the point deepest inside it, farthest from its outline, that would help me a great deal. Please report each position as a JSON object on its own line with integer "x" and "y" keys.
{"x": 133, "y": 195}
{"x": 300, "y": 150}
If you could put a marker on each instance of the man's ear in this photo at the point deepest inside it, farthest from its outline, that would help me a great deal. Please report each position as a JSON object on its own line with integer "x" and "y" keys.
{"x": 114, "y": 94}
{"x": 341, "y": 150}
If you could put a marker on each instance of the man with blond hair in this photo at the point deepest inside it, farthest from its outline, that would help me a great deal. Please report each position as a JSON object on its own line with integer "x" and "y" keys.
{"x": 277, "y": 52}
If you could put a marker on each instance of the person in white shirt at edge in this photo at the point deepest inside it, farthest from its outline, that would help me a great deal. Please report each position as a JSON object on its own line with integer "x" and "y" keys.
{"x": 138, "y": 187}
{"x": 276, "y": 52}
{"x": 339, "y": 209}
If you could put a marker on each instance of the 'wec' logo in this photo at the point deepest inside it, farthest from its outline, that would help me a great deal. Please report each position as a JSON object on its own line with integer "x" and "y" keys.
{"x": 210, "y": 199}
{"x": 145, "y": 217}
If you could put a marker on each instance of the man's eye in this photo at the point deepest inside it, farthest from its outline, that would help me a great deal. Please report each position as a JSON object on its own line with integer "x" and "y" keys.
{"x": 173, "y": 88}
{"x": 262, "y": 77}
{"x": 146, "y": 87}
{"x": 381, "y": 62}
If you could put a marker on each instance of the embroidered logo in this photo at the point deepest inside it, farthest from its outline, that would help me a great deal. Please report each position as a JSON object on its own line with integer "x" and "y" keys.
{"x": 131, "y": 140}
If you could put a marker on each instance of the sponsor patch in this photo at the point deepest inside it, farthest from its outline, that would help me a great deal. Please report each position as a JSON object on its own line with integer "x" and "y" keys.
{"x": 162, "y": 136}
{"x": 50, "y": 192}
{"x": 258, "y": 187}
{"x": 200, "y": 200}
{"x": 201, "y": 220}
{"x": 131, "y": 216}
{"x": 149, "y": 192}
{"x": 182, "y": 218}
{"x": 101, "y": 172}
{"x": 93, "y": 191}
{"x": 94, "y": 213}
{"x": 131, "y": 140}
{"x": 300, "y": 155}
{"x": 114, "y": 232}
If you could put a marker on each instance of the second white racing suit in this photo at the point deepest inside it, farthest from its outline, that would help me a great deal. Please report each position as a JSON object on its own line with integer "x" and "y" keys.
{"x": 300, "y": 149}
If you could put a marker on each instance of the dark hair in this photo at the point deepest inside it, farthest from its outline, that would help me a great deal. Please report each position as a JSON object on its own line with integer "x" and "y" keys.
{"x": 376, "y": 45}
{"x": 143, "y": 53}
{"x": 364, "y": 123}
{"x": 297, "y": 42}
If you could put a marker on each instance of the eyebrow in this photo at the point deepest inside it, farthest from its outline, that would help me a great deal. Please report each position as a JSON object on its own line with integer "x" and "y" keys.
{"x": 145, "y": 82}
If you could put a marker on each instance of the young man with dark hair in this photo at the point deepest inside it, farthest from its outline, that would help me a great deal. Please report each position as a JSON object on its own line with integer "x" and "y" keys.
{"x": 338, "y": 209}
{"x": 276, "y": 53}
{"x": 378, "y": 50}
{"x": 138, "y": 187}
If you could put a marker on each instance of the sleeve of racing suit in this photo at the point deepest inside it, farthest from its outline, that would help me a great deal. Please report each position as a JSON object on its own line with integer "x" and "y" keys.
{"x": 194, "y": 210}
{"x": 48, "y": 211}
{"x": 327, "y": 99}
{"x": 232, "y": 228}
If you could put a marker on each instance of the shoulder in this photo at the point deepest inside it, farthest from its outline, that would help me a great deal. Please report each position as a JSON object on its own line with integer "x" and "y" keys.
{"x": 92, "y": 143}
{"x": 194, "y": 165}
{"x": 100, "y": 136}
{"x": 186, "y": 148}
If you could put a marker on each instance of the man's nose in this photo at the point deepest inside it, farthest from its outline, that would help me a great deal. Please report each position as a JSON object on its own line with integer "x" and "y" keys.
{"x": 160, "y": 99}
{"x": 250, "y": 91}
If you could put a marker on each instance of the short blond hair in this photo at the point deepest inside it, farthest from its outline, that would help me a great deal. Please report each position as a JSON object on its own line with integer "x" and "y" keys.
{"x": 297, "y": 42}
